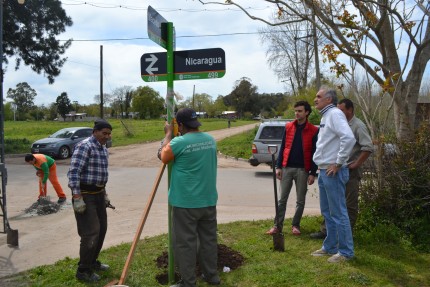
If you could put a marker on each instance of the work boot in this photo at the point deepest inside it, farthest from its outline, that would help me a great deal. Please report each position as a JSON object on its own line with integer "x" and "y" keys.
{"x": 98, "y": 266}
{"x": 61, "y": 200}
{"x": 87, "y": 276}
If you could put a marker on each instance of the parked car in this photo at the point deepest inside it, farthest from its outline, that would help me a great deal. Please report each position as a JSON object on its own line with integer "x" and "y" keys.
{"x": 269, "y": 132}
{"x": 61, "y": 143}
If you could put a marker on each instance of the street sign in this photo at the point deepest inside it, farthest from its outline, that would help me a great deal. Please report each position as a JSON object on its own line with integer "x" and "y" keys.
{"x": 157, "y": 30}
{"x": 188, "y": 65}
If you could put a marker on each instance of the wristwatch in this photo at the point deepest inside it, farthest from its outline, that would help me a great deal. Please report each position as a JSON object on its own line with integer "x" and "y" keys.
{"x": 338, "y": 165}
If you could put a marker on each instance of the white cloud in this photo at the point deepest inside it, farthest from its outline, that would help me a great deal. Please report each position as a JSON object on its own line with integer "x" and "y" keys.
{"x": 80, "y": 76}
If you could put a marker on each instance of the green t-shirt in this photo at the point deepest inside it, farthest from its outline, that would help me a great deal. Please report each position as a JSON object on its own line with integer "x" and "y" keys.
{"x": 194, "y": 171}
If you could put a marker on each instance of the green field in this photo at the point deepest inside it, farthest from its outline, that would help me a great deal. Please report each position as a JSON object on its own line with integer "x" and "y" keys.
{"x": 20, "y": 135}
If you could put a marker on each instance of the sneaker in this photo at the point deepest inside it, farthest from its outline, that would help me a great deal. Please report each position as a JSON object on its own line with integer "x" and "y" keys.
{"x": 87, "y": 276}
{"x": 318, "y": 235}
{"x": 321, "y": 252}
{"x": 213, "y": 282}
{"x": 337, "y": 258}
{"x": 273, "y": 230}
{"x": 61, "y": 200}
{"x": 98, "y": 266}
{"x": 295, "y": 230}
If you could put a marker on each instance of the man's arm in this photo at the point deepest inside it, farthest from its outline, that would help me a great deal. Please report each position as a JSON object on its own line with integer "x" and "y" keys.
{"x": 166, "y": 154}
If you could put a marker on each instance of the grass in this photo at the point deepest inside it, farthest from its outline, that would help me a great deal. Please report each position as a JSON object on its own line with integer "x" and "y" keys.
{"x": 376, "y": 264}
{"x": 20, "y": 135}
{"x": 238, "y": 146}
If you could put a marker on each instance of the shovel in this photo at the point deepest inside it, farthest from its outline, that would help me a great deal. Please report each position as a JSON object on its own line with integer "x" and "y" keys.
{"x": 12, "y": 235}
{"x": 278, "y": 238}
{"x": 121, "y": 281}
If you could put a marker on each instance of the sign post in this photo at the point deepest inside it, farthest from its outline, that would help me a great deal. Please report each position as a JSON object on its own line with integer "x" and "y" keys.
{"x": 170, "y": 66}
{"x": 170, "y": 116}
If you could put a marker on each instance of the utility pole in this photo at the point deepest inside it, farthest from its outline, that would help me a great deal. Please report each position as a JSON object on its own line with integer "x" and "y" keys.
{"x": 101, "y": 81}
{"x": 317, "y": 58}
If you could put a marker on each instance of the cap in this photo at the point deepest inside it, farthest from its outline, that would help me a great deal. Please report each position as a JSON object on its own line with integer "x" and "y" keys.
{"x": 101, "y": 124}
{"x": 188, "y": 117}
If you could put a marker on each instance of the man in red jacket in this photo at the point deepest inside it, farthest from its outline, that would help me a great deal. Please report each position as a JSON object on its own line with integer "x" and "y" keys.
{"x": 295, "y": 164}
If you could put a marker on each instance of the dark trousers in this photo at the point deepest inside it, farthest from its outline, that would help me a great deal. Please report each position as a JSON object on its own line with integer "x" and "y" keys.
{"x": 195, "y": 235}
{"x": 92, "y": 227}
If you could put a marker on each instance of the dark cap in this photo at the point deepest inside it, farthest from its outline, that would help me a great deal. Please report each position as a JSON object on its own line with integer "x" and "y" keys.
{"x": 188, "y": 117}
{"x": 101, "y": 124}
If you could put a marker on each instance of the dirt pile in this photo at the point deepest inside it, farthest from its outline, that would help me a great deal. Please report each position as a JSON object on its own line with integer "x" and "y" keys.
{"x": 228, "y": 259}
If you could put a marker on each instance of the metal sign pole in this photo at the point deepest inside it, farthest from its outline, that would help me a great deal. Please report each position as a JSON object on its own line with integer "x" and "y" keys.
{"x": 170, "y": 102}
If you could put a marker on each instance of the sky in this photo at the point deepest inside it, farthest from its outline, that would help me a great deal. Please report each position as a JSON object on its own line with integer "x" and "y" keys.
{"x": 120, "y": 26}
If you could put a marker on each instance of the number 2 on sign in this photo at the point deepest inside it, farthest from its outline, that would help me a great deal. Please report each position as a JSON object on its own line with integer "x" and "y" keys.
{"x": 213, "y": 75}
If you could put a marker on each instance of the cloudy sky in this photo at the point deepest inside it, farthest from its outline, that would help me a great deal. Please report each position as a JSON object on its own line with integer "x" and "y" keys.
{"x": 121, "y": 27}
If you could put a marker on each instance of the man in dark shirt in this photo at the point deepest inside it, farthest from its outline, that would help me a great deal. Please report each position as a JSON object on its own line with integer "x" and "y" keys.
{"x": 295, "y": 164}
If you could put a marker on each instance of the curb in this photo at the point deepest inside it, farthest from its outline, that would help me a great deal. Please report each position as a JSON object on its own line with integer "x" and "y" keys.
{"x": 231, "y": 157}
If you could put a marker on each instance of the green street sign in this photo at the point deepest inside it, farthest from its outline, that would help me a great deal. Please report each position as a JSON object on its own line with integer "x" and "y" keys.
{"x": 157, "y": 29}
{"x": 188, "y": 65}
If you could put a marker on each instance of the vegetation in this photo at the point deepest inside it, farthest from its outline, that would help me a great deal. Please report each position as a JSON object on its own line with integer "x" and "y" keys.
{"x": 29, "y": 35}
{"x": 20, "y": 135}
{"x": 396, "y": 32}
{"x": 382, "y": 262}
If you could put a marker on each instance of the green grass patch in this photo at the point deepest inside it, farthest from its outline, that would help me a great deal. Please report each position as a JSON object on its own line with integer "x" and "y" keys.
{"x": 376, "y": 263}
{"x": 19, "y": 135}
{"x": 238, "y": 146}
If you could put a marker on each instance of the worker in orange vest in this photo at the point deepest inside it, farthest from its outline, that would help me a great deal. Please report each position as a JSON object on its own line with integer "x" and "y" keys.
{"x": 46, "y": 169}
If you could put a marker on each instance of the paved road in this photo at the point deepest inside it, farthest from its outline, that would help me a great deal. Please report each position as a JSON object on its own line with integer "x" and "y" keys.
{"x": 244, "y": 194}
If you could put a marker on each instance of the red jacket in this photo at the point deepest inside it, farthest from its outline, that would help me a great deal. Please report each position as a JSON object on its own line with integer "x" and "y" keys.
{"x": 308, "y": 140}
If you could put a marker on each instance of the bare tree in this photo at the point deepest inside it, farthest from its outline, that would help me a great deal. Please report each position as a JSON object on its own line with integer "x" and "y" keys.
{"x": 389, "y": 39}
{"x": 291, "y": 51}
{"x": 122, "y": 97}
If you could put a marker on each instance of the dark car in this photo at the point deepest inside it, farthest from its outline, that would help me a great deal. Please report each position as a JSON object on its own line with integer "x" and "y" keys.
{"x": 61, "y": 143}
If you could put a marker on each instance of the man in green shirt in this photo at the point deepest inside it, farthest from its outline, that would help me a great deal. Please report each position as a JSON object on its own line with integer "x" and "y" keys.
{"x": 193, "y": 197}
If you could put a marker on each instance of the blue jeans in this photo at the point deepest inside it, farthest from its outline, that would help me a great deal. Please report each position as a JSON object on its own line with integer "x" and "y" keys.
{"x": 333, "y": 208}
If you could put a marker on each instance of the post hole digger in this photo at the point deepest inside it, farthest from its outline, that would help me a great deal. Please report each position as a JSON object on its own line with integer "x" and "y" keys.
{"x": 278, "y": 237}
{"x": 145, "y": 213}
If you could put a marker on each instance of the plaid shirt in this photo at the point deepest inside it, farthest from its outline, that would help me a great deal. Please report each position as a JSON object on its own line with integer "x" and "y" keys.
{"x": 89, "y": 165}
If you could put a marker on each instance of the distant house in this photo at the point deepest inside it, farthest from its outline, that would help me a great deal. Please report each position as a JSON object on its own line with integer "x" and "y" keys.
{"x": 229, "y": 114}
{"x": 202, "y": 114}
{"x": 76, "y": 117}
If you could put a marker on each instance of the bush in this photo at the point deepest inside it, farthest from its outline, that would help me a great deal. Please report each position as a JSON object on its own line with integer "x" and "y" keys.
{"x": 17, "y": 146}
{"x": 399, "y": 193}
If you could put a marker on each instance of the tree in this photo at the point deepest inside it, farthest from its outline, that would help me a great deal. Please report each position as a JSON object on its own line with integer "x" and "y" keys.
{"x": 23, "y": 97}
{"x": 29, "y": 35}
{"x": 290, "y": 51}
{"x": 242, "y": 96}
{"x": 389, "y": 39}
{"x": 147, "y": 102}
{"x": 121, "y": 103}
{"x": 64, "y": 106}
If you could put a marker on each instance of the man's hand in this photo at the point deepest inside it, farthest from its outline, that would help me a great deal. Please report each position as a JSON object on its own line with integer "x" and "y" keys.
{"x": 79, "y": 204}
{"x": 107, "y": 200}
{"x": 311, "y": 179}
{"x": 279, "y": 173}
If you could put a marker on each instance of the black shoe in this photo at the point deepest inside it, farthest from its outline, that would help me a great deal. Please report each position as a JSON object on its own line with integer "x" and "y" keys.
{"x": 214, "y": 282}
{"x": 89, "y": 277}
{"x": 61, "y": 200}
{"x": 98, "y": 266}
{"x": 318, "y": 235}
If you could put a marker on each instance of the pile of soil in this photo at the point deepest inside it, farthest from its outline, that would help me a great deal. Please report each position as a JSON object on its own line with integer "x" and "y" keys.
{"x": 227, "y": 259}
{"x": 43, "y": 206}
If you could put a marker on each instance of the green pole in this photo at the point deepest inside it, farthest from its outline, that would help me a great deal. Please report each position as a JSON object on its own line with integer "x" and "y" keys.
{"x": 170, "y": 117}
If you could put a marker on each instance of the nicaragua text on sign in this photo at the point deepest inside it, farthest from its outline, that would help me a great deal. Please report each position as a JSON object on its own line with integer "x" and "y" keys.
{"x": 188, "y": 65}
